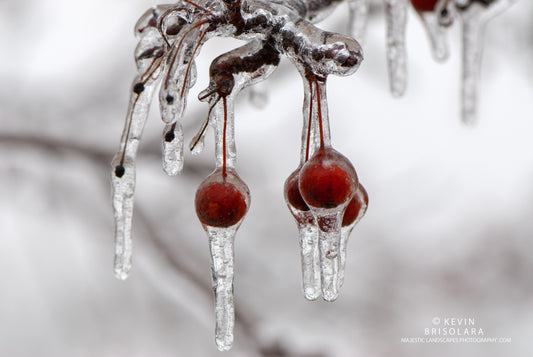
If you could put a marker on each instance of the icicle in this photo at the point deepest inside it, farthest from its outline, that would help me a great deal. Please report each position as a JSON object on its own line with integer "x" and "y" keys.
{"x": 173, "y": 149}
{"x": 472, "y": 49}
{"x": 305, "y": 220}
{"x": 222, "y": 252}
{"x": 439, "y": 46}
{"x": 221, "y": 203}
{"x": 358, "y": 19}
{"x": 474, "y": 16}
{"x": 149, "y": 60}
{"x": 123, "y": 177}
{"x": 354, "y": 213}
{"x": 396, "y": 14}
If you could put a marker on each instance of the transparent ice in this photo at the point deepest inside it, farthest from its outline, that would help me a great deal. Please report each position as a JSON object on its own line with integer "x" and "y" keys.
{"x": 474, "y": 16}
{"x": 435, "y": 30}
{"x": 396, "y": 15}
{"x": 358, "y": 19}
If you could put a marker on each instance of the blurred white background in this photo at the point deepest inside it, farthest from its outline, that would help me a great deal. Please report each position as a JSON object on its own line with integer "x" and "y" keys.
{"x": 447, "y": 233}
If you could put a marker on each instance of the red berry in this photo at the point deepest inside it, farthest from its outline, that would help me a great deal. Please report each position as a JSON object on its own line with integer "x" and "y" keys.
{"x": 327, "y": 180}
{"x": 424, "y": 5}
{"x": 221, "y": 201}
{"x": 292, "y": 192}
{"x": 353, "y": 210}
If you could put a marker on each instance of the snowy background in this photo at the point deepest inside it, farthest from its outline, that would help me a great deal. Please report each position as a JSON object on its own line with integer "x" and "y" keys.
{"x": 447, "y": 233}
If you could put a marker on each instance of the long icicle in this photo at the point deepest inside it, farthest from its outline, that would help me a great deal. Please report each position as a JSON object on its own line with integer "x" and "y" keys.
{"x": 123, "y": 176}
{"x": 396, "y": 15}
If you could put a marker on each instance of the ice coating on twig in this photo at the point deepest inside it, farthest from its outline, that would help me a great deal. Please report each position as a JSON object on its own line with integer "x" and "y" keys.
{"x": 181, "y": 73}
{"x": 173, "y": 149}
{"x": 396, "y": 14}
{"x": 439, "y": 46}
{"x": 328, "y": 217}
{"x": 358, "y": 19}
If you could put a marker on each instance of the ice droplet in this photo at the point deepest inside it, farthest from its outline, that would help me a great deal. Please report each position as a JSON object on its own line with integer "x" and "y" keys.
{"x": 396, "y": 14}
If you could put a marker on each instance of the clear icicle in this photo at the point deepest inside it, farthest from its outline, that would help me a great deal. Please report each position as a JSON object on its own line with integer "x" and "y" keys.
{"x": 308, "y": 234}
{"x": 439, "y": 46}
{"x": 358, "y": 19}
{"x": 309, "y": 253}
{"x": 123, "y": 177}
{"x": 474, "y": 16}
{"x": 362, "y": 199}
{"x": 222, "y": 252}
{"x": 396, "y": 14}
{"x": 305, "y": 220}
{"x": 472, "y": 50}
{"x": 173, "y": 149}
{"x": 329, "y": 225}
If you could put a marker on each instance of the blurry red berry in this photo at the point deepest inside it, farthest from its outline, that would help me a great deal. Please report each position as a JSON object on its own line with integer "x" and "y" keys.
{"x": 292, "y": 192}
{"x": 424, "y": 5}
{"x": 353, "y": 210}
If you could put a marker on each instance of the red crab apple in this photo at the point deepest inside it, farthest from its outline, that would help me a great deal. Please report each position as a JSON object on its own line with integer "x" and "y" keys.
{"x": 327, "y": 180}
{"x": 222, "y": 199}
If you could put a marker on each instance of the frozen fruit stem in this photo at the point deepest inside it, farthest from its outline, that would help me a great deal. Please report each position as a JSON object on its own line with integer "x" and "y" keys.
{"x": 327, "y": 181}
